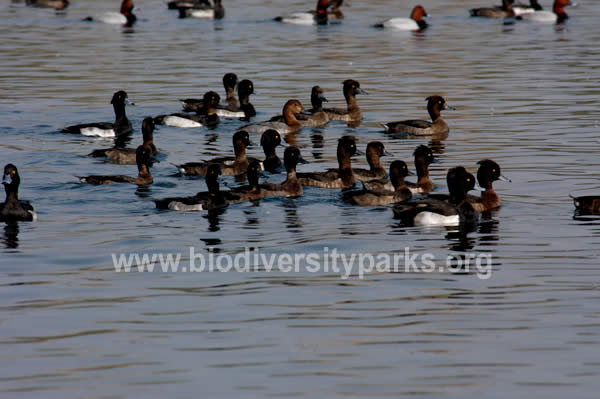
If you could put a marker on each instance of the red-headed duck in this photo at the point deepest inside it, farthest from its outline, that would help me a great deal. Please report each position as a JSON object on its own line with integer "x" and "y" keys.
{"x": 435, "y": 104}
{"x": 314, "y": 117}
{"x": 556, "y": 16}
{"x": 415, "y": 22}
{"x": 125, "y": 17}
{"x": 319, "y": 16}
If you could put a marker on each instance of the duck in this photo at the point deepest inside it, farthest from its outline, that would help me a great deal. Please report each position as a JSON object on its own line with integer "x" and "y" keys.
{"x": 353, "y": 113}
{"x": 13, "y": 209}
{"x": 245, "y": 109}
{"x": 435, "y": 104}
{"x": 230, "y": 81}
{"x": 423, "y": 157}
{"x": 520, "y": 9}
{"x": 183, "y": 120}
{"x": 125, "y": 17}
{"x": 415, "y": 22}
{"x": 488, "y": 172}
{"x": 505, "y": 11}
{"x": 334, "y": 11}
{"x": 217, "y": 11}
{"x": 318, "y": 17}
{"x": 269, "y": 140}
{"x": 143, "y": 157}
{"x": 375, "y": 150}
{"x": 587, "y": 204}
{"x": 228, "y": 166}
{"x": 56, "y": 4}
{"x": 291, "y": 187}
{"x": 120, "y": 127}
{"x": 457, "y": 210}
{"x": 253, "y": 190}
{"x": 341, "y": 177}
{"x": 290, "y": 123}
{"x": 175, "y": 4}
{"x": 212, "y": 199}
{"x": 556, "y": 16}
{"x": 314, "y": 117}
{"x": 398, "y": 171}
{"x": 126, "y": 156}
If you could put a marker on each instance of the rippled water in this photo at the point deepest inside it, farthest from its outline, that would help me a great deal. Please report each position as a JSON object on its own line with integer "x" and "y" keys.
{"x": 526, "y": 96}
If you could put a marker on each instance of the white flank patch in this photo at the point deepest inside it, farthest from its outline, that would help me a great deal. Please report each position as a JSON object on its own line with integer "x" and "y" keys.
{"x": 224, "y": 113}
{"x": 114, "y": 18}
{"x": 177, "y": 121}
{"x": 97, "y": 132}
{"x": 201, "y": 13}
{"x": 34, "y": 215}
{"x": 299, "y": 18}
{"x": 544, "y": 17}
{"x": 401, "y": 24}
{"x": 180, "y": 206}
{"x": 435, "y": 219}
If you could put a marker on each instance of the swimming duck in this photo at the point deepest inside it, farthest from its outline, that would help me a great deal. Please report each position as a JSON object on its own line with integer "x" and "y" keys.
{"x": 229, "y": 166}
{"x": 556, "y": 16}
{"x": 401, "y": 193}
{"x": 505, "y": 11}
{"x": 415, "y": 22}
{"x": 353, "y": 112}
{"x": 453, "y": 212}
{"x": 423, "y": 158}
{"x": 175, "y": 4}
{"x": 120, "y": 127}
{"x": 180, "y": 119}
{"x": 245, "y": 109}
{"x": 318, "y": 17}
{"x": 315, "y": 117}
{"x": 435, "y": 104}
{"x": 56, "y": 4}
{"x": 269, "y": 140}
{"x": 143, "y": 157}
{"x": 214, "y": 198}
{"x": 488, "y": 172}
{"x": 215, "y": 12}
{"x": 587, "y": 204}
{"x": 125, "y": 17}
{"x": 230, "y": 80}
{"x": 126, "y": 156}
{"x": 520, "y": 9}
{"x": 252, "y": 191}
{"x": 290, "y": 123}
{"x": 341, "y": 177}
{"x": 291, "y": 187}
{"x": 12, "y": 209}
{"x": 375, "y": 150}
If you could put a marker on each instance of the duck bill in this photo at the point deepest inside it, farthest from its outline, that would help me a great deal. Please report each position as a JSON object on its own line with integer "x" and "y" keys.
{"x": 449, "y": 108}
{"x": 358, "y": 152}
{"x": 323, "y": 99}
{"x": 128, "y": 102}
{"x": 410, "y": 173}
{"x": 302, "y": 161}
{"x": 387, "y": 154}
{"x": 361, "y": 91}
{"x": 504, "y": 178}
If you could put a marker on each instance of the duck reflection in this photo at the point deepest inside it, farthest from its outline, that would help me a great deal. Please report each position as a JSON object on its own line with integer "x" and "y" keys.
{"x": 292, "y": 220}
{"x": 11, "y": 235}
{"x": 214, "y": 219}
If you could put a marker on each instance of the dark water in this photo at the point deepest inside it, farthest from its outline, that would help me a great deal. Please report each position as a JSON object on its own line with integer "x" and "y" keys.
{"x": 526, "y": 96}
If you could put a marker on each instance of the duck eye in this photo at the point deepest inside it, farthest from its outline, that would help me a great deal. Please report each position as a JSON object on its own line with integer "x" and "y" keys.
{"x": 14, "y": 172}
{"x": 468, "y": 179}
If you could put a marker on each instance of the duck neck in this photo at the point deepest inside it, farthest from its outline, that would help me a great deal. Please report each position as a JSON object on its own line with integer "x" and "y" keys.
{"x": 535, "y": 5}
{"x": 144, "y": 171}
{"x": 12, "y": 192}
{"x": 316, "y": 103}
{"x": 397, "y": 182}
{"x": 560, "y": 12}
{"x": 321, "y": 14}
{"x": 240, "y": 151}
{"x": 213, "y": 186}
{"x": 351, "y": 101}
{"x": 422, "y": 170}
{"x": 434, "y": 111}
{"x": 289, "y": 117}
{"x": 230, "y": 95}
{"x": 269, "y": 151}
{"x": 119, "y": 109}
{"x": 374, "y": 162}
